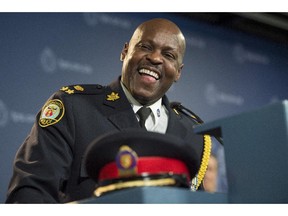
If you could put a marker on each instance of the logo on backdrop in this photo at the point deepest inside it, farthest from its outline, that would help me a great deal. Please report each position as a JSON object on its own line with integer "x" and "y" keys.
{"x": 243, "y": 55}
{"x": 7, "y": 116}
{"x": 93, "y": 19}
{"x": 48, "y": 60}
{"x": 3, "y": 114}
{"x": 196, "y": 42}
{"x": 51, "y": 63}
{"x": 214, "y": 96}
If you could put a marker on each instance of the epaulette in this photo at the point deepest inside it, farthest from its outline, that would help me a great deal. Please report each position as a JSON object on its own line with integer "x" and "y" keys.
{"x": 83, "y": 89}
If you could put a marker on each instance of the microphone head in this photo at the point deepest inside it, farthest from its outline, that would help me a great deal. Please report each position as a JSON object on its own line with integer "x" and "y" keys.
{"x": 175, "y": 105}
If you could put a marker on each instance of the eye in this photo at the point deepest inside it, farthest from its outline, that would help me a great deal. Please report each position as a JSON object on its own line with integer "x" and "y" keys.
{"x": 144, "y": 46}
{"x": 169, "y": 55}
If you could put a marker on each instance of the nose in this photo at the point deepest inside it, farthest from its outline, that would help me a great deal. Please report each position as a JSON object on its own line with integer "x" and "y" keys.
{"x": 155, "y": 57}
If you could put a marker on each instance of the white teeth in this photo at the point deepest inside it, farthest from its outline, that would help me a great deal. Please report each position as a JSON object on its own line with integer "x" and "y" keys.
{"x": 149, "y": 72}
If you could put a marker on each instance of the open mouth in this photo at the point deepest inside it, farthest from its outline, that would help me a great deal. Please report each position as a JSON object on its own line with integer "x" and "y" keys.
{"x": 149, "y": 73}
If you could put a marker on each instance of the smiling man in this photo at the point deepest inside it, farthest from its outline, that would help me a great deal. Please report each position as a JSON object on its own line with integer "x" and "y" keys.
{"x": 50, "y": 166}
{"x": 152, "y": 60}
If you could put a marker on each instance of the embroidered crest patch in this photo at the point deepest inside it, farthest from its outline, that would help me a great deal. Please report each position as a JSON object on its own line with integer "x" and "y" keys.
{"x": 52, "y": 112}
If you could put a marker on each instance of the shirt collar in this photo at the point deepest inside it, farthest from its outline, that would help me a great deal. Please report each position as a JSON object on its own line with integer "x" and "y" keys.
{"x": 155, "y": 107}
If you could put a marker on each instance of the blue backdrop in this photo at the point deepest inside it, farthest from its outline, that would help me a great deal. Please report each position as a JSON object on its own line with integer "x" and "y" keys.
{"x": 225, "y": 72}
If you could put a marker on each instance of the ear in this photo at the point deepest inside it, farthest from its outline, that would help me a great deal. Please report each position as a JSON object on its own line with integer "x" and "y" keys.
{"x": 179, "y": 73}
{"x": 124, "y": 51}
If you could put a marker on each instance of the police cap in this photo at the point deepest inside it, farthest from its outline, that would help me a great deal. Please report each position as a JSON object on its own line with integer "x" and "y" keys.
{"x": 135, "y": 157}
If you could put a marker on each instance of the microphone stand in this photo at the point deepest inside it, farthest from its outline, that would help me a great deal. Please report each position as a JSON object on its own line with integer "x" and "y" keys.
{"x": 180, "y": 108}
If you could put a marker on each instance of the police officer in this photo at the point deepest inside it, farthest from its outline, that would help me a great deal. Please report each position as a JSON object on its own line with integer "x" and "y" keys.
{"x": 49, "y": 166}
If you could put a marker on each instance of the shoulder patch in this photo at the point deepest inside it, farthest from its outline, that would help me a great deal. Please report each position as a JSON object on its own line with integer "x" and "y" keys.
{"x": 82, "y": 89}
{"x": 52, "y": 112}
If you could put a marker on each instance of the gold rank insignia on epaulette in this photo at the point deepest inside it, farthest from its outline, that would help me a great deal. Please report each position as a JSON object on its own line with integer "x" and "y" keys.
{"x": 71, "y": 89}
{"x": 52, "y": 112}
{"x": 113, "y": 96}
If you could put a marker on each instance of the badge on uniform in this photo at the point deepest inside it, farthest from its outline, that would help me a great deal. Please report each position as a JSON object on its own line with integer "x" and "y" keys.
{"x": 52, "y": 112}
{"x": 126, "y": 161}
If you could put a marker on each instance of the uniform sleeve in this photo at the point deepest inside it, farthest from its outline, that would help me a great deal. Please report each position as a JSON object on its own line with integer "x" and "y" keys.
{"x": 42, "y": 163}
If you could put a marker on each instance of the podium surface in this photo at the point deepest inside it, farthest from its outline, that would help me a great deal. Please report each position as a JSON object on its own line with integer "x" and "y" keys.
{"x": 157, "y": 195}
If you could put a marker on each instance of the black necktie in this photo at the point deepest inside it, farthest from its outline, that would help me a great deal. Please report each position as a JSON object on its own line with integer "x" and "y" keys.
{"x": 143, "y": 114}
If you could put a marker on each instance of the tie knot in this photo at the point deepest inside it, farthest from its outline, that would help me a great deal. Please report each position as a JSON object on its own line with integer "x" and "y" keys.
{"x": 143, "y": 114}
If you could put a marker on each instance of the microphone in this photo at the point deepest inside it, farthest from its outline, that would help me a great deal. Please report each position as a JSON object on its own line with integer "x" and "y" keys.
{"x": 178, "y": 107}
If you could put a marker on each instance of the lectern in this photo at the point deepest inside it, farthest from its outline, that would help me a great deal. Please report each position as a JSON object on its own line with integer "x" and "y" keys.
{"x": 256, "y": 153}
{"x": 256, "y": 156}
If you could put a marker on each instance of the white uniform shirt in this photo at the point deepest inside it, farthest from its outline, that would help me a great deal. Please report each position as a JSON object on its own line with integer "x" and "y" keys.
{"x": 157, "y": 121}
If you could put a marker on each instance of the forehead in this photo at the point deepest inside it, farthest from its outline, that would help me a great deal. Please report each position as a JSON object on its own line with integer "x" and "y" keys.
{"x": 158, "y": 35}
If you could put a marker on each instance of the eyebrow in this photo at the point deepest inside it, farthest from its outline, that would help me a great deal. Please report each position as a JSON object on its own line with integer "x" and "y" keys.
{"x": 153, "y": 43}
